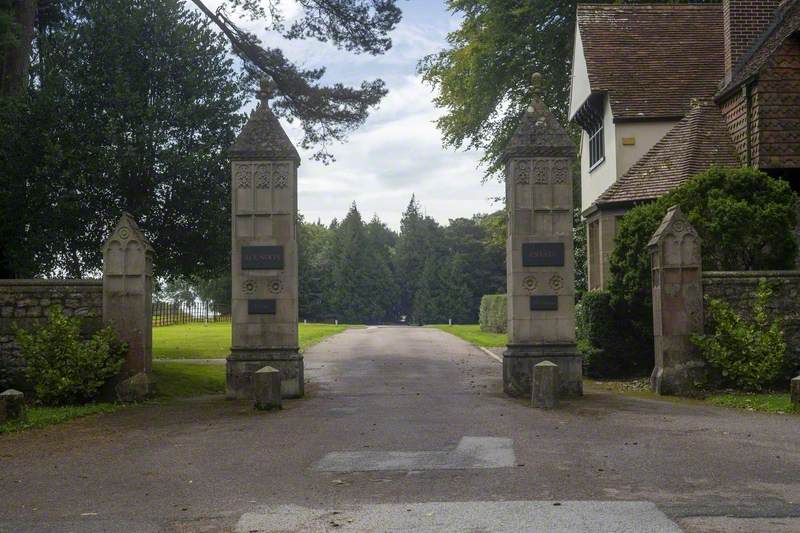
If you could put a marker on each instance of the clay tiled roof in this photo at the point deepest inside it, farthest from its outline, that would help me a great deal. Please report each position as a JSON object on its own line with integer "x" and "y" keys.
{"x": 697, "y": 142}
{"x": 785, "y": 24}
{"x": 652, "y": 59}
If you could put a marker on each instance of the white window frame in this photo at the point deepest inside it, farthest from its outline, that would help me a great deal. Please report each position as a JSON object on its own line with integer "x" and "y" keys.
{"x": 597, "y": 147}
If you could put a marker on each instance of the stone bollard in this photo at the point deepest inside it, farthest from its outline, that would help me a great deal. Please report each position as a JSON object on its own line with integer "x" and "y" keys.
{"x": 267, "y": 389}
{"x": 544, "y": 390}
{"x": 794, "y": 389}
{"x": 136, "y": 388}
{"x": 12, "y": 405}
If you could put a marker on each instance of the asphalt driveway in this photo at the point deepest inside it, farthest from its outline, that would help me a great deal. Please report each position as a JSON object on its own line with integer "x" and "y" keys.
{"x": 406, "y": 428}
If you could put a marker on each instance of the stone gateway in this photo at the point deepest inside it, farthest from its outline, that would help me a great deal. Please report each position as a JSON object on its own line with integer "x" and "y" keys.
{"x": 264, "y": 308}
{"x": 539, "y": 254}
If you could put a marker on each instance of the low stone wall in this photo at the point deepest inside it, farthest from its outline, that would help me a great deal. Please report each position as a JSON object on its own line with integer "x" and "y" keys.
{"x": 738, "y": 289}
{"x": 26, "y": 302}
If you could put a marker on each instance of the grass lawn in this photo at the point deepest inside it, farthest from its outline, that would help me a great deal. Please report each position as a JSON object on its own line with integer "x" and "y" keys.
{"x": 213, "y": 341}
{"x": 39, "y": 417}
{"x": 472, "y": 333}
{"x": 207, "y": 341}
{"x": 770, "y": 402}
{"x": 180, "y": 380}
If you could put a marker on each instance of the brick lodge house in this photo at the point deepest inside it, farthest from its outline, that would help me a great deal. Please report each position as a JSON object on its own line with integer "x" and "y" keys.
{"x": 663, "y": 91}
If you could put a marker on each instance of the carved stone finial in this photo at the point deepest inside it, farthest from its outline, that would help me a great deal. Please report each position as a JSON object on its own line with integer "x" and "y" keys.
{"x": 262, "y": 137}
{"x": 536, "y": 83}
{"x": 539, "y": 134}
{"x": 264, "y": 92}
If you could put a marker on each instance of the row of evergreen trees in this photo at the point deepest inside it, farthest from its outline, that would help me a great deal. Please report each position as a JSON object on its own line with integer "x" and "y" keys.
{"x": 360, "y": 272}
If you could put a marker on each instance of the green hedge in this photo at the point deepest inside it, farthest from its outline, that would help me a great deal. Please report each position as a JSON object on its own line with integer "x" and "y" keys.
{"x": 494, "y": 313}
{"x": 611, "y": 341}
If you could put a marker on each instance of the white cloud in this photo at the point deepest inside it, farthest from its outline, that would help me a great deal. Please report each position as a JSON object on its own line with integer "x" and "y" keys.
{"x": 398, "y": 152}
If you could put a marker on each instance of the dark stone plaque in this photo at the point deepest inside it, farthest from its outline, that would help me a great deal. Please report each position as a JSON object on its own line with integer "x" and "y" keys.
{"x": 262, "y": 257}
{"x": 261, "y": 307}
{"x": 544, "y": 303}
{"x": 543, "y": 254}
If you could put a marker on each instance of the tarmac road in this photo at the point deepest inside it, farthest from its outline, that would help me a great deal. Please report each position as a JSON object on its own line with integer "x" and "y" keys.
{"x": 407, "y": 429}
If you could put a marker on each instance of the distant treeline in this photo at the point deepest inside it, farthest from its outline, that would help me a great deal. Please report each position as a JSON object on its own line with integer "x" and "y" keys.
{"x": 366, "y": 273}
{"x": 360, "y": 272}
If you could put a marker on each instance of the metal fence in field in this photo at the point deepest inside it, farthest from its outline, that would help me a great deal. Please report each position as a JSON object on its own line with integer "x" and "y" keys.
{"x": 169, "y": 313}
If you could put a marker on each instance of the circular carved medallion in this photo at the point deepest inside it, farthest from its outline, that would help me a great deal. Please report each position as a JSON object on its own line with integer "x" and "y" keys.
{"x": 556, "y": 283}
{"x": 124, "y": 233}
{"x": 275, "y": 286}
{"x": 249, "y": 286}
{"x": 530, "y": 283}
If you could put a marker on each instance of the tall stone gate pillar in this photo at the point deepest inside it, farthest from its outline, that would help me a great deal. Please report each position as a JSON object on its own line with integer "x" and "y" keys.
{"x": 539, "y": 253}
{"x": 128, "y": 293}
{"x": 264, "y": 255}
{"x": 677, "y": 305}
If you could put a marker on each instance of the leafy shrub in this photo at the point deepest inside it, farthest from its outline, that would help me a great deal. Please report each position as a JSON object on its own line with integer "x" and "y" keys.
{"x": 746, "y": 221}
{"x": 745, "y": 218}
{"x": 748, "y": 354}
{"x": 64, "y": 368}
{"x": 494, "y": 313}
{"x": 609, "y": 341}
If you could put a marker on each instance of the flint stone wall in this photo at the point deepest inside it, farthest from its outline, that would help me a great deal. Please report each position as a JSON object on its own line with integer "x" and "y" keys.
{"x": 738, "y": 290}
{"x": 27, "y": 302}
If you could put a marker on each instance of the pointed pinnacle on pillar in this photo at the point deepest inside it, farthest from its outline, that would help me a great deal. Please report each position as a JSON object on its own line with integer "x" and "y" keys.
{"x": 264, "y": 92}
{"x": 537, "y": 84}
{"x": 539, "y": 133}
{"x": 263, "y": 137}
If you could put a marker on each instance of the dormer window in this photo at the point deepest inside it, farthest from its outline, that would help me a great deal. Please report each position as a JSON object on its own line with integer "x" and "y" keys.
{"x": 590, "y": 118}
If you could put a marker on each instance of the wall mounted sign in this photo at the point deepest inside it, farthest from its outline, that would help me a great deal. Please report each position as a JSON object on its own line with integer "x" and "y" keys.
{"x": 261, "y": 307}
{"x": 262, "y": 257}
{"x": 543, "y": 254}
{"x": 544, "y": 303}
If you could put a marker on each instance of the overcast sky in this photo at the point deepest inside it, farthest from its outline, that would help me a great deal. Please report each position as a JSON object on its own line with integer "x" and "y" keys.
{"x": 398, "y": 151}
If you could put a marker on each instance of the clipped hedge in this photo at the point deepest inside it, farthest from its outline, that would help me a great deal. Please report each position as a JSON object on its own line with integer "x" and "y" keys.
{"x": 494, "y": 313}
{"x": 613, "y": 344}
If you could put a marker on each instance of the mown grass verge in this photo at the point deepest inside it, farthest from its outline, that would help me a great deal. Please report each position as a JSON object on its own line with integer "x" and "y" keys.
{"x": 39, "y": 417}
{"x": 769, "y": 402}
{"x": 182, "y": 380}
{"x": 472, "y": 333}
{"x": 213, "y": 341}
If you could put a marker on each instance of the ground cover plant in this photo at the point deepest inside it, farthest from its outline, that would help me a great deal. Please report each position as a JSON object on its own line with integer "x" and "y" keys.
{"x": 764, "y": 402}
{"x": 767, "y": 402}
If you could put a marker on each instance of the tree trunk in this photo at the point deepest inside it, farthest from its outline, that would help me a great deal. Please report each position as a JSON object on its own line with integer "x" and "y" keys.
{"x": 15, "y": 61}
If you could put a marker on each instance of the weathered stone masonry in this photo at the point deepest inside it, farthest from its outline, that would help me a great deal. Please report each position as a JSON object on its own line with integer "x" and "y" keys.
{"x": 27, "y": 302}
{"x": 738, "y": 289}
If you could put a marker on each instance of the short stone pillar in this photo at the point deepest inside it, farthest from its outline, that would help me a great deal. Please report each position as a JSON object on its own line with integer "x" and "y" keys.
{"x": 12, "y": 405}
{"x": 539, "y": 253}
{"x": 265, "y": 309}
{"x": 794, "y": 391}
{"x": 676, "y": 264}
{"x": 128, "y": 294}
{"x": 545, "y": 388}
{"x": 267, "y": 389}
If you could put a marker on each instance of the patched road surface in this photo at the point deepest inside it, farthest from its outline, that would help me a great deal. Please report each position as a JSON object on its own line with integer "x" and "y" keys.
{"x": 407, "y": 429}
